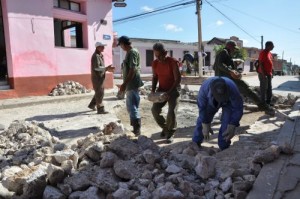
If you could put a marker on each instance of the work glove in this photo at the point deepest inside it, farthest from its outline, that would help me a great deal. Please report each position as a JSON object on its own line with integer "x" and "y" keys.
{"x": 229, "y": 132}
{"x": 206, "y": 130}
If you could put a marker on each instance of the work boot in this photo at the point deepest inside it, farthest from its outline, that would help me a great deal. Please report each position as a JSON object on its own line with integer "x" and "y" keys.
{"x": 92, "y": 107}
{"x": 170, "y": 137}
{"x": 268, "y": 110}
{"x": 101, "y": 110}
{"x": 136, "y": 127}
{"x": 92, "y": 104}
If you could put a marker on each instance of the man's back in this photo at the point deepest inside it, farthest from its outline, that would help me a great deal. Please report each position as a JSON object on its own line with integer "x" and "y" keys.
{"x": 222, "y": 63}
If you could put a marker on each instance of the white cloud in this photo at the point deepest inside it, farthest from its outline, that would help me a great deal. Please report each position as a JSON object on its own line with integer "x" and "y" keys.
{"x": 245, "y": 42}
{"x": 219, "y": 23}
{"x": 172, "y": 27}
{"x": 147, "y": 9}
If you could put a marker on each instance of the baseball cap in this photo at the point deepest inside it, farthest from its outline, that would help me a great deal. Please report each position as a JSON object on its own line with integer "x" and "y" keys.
{"x": 124, "y": 40}
{"x": 231, "y": 42}
{"x": 219, "y": 90}
{"x": 99, "y": 44}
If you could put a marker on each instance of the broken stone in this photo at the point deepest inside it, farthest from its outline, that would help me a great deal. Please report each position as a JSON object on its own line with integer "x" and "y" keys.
{"x": 105, "y": 179}
{"x": 267, "y": 155}
{"x": 55, "y": 174}
{"x": 249, "y": 178}
{"x": 125, "y": 169}
{"x": 240, "y": 194}
{"x": 150, "y": 156}
{"x": 68, "y": 88}
{"x": 206, "y": 166}
{"x": 226, "y": 185}
{"x": 79, "y": 181}
{"x": 53, "y": 193}
{"x": 113, "y": 128}
{"x": 108, "y": 159}
{"x": 124, "y": 147}
{"x": 167, "y": 191}
{"x": 125, "y": 193}
{"x": 94, "y": 151}
{"x": 241, "y": 186}
{"x": 61, "y": 156}
{"x": 173, "y": 169}
{"x": 255, "y": 168}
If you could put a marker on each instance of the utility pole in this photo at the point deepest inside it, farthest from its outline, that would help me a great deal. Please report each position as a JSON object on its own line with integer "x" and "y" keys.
{"x": 200, "y": 57}
{"x": 262, "y": 42}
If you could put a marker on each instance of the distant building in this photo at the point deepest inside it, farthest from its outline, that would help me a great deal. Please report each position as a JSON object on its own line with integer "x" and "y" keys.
{"x": 175, "y": 49}
{"x": 253, "y": 54}
{"x": 216, "y": 41}
{"x": 45, "y": 42}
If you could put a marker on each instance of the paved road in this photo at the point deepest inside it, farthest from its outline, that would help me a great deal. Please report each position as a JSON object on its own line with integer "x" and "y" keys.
{"x": 282, "y": 85}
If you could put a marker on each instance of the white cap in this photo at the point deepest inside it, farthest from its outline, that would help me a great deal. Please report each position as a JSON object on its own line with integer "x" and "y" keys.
{"x": 99, "y": 44}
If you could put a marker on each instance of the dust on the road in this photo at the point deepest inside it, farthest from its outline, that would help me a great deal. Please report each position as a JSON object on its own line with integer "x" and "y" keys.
{"x": 186, "y": 119}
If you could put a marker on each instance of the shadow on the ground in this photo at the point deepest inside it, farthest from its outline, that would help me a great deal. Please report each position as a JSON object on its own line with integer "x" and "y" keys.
{"x": 289, "y": 86}
{"x": 43, "y": 118}
{"x": 73, "y": 133}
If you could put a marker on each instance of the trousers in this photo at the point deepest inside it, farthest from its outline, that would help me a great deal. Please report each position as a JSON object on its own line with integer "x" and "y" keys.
{"x": 169, "y": 123}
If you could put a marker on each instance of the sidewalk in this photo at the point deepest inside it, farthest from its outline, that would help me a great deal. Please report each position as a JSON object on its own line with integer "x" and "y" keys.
{"x": 281, "y": 178}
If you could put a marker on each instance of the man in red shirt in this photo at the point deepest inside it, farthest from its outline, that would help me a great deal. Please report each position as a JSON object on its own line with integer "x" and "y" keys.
{"x": 166, "y": 73}
{"x": 265, "y": 72}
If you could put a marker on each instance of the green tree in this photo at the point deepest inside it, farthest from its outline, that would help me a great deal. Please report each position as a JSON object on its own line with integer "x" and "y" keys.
{"x": 240, "y": 53}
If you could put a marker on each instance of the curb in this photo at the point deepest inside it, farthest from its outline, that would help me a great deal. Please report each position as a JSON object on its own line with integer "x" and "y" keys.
{"x": 265, "y": 185}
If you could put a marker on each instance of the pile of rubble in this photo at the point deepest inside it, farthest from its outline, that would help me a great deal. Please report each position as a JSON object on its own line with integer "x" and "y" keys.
{"x": 68, "y": 88}
{"x": 110, "y": 164}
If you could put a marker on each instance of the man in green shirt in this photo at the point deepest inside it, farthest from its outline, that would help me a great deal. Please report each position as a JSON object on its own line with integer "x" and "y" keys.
{"x": 131, "y": 82}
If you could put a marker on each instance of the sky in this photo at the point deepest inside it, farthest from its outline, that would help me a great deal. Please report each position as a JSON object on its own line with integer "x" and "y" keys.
{"x": 275, "y": 20}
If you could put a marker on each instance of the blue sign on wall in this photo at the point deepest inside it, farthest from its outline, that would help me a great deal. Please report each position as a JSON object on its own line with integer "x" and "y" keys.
{"x": 106, "y": 37}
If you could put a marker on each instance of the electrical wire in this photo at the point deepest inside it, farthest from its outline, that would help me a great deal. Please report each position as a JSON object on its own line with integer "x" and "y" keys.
{"x": 237, "y": 25}
{"x": 152, "y": 14}
{"x": 260, "y": 19}
{"x": 154, "y": 11}
{"x": 162, "y": 9}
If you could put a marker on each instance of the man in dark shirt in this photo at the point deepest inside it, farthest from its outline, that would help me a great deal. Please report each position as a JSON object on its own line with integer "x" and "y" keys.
{"x": 225, "y": 67}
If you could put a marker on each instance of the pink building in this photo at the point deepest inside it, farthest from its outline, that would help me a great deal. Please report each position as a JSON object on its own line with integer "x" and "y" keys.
{"x": 45, "y": 42}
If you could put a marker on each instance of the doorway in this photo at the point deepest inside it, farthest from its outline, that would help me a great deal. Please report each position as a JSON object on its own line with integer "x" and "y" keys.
{"x": 3, "y": 63}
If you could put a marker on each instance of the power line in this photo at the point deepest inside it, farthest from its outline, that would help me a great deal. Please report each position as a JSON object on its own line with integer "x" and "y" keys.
{"x": 153, "y": 14}
{"x": 242, "y": 29}
{"x": 260, "y": 19}
{"x": 164, "y": 9}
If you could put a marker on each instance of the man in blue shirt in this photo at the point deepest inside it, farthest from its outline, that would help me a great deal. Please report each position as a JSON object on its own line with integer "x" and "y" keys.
{"x": 217, "y": 92}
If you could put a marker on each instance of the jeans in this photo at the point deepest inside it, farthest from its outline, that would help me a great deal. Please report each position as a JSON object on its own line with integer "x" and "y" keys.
{"x": 132, "y": 104}
{"x": 265, "y": 88}
{"x": 169, "y": 123}
{"x": 226, "y": 116}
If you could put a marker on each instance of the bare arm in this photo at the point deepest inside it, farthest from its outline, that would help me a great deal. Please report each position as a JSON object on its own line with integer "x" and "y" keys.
{"x": 129, "y": 77}
{"x": 154, "y": 82}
